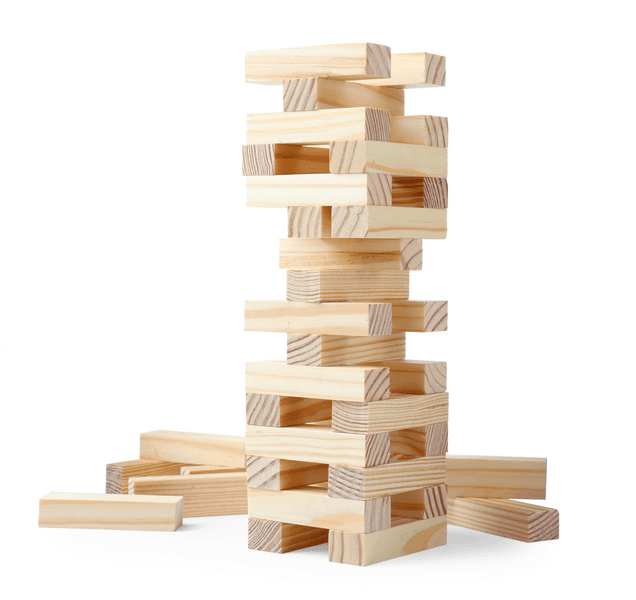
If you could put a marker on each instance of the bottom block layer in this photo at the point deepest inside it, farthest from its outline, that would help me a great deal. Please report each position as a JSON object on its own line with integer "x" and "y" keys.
{"x": 272, "y": 536}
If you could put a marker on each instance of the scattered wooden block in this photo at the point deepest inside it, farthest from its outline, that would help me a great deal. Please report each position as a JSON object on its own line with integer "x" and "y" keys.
{"x": 414, "y": 70}
{"x": 415, "y": 376}
{"x": 309, "y": 222}
{"x": 271, "y": 410}
{"x": 275, "y": 474}
{"x": 423, "y": 130}
{"x": 505, "y": 518}
{"x": 193, "y": 448}
{"x": 337, "y": 61}
{"x": 422, "y": 192}
{"x": 117, "y": 474}
{"x": 496, "y": 477}
{"x": 273, "y": 536}
{"x": 420, "y": 316}
{"x": 436, "y": 439}
{"x": 284, "y": 159}
{"x": 209, "y": 470}
{"x": 111, "y": 511}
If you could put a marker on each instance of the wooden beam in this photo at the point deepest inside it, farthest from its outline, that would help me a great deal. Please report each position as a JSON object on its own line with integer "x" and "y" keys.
{"x": 318, "y": 93}
{"x": 354, "y": 255}
{"x": 358, "y": 156}
{"x": 422, "y": 192}
{"x": 415, "y": 376}
{"x": 209, "y": 470}
{"x": 421, "y": 129}
{"x": 275, "y": 474}
{"x": 271, "y": 410}
{"x": 496, "y": 477}
{"x": 505, "y": 518}
{"x": 420, "y": 316}
{"x": 309, "y": 222}
{"x": 117, "y": 474}
{"x": 414, "y": 70}
{"x": 111, "y": 511}
{"x": 437, "y": 439}
{"x": 273, "y": 536}
{"x": 436, "y": 501}
{"x": 265, "y": 160}
{"x": 357, "y": 61}
{"x": 193, "y": 448}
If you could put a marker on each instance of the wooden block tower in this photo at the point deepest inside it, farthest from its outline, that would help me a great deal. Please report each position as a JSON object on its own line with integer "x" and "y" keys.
{"x": 346, "y": 440}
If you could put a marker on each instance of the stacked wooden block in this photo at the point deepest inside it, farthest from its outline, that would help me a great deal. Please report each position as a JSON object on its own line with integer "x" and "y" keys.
{"x": 346, "y": 440}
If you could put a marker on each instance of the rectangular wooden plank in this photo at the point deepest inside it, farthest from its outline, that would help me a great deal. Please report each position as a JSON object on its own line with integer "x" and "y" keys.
{"x": 117, "y": 474}
{"x": 415, "y": 376}
{"x": 358, "y": 61}
{"x": 265, "y": 160}
{"x": 414, "y": 70}
{"x": 208, "y": 470}
{"x": 420, "y": 129}
{"x": 309, "y": 221}
{"x": 111, "y": 511}
{"x": 499, "y": 477}
{"x": 275, "y": 474}
{"x": 277, "y": 537}
{"x": 272, "y": 410}
{"x": 420, "y": 316}
{"x": 505, "y": 518}
{"x": 193, "y": 448}
{"x": 422, "y": 192}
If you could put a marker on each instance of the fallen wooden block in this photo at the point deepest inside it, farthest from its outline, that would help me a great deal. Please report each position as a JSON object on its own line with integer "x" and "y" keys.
{"x": 415, "y": 376}
{"x": 422, "y": 192}
{"x": 309, "y": 222}
{"x": 424, "y": 130}
{"x": 420, "y": 316}
{"x": 272, "y": 410}
{"x": 505, "y": 518}
{"x": 414, "y": 70}
{"x": 284, "y": 159}
{"x": 275, "y": 474}
{"x": 273, "y": 536}
{"x": 117, "y": 474}
{"x": 111, "y": 511}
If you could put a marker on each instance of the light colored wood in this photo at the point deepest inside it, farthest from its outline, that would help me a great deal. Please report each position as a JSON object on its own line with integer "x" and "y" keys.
{"x": 319, "y": 126}
{"x": 422, "y": 192}
{"x": 415, "y": 376}
{"x": 437, "y": 439}
{"x": 423, "y": 130}
{"x": 359, "y": 483}
{"x": 321, "y": 93}
{"x": 388, "y": 222}
{"x": 312, "y": 507}
{"x": 436, "y": 501}
{"x": 414, "y": 70}
{"x": 324, "y": 318}
{"x": 271, "y": 410}
{"x": 358, "y": 156}
{"x": 117, "y": 474}
{"x": 411, "y": 505}
{"x": 408, "y": 442}
{"x": 193, "y": 448}
{"x": 496, "y": 477}
{"x": 111, "y": 511}
{"x": 406, "y": 536}
{"x": 323, "y": 189}
{"x": 275, "y": 474}
{"x": 505, "y": 518}
{"x": 347, "y": 286}
{"x": 317, "y": 443}
{"x": 338, "y": 61}
{"x": 355, "y": 255}
{"x": 209, "y": 470}
{"x": 420, "y": 316}
{"x": 325, "y": 350}
{"x": 399, "y": 411}
{"x": 309, "y": 222}
{"x": 354, "y": 384}
{"x": 273, "y": 536}
{"x": 265, "y": 160}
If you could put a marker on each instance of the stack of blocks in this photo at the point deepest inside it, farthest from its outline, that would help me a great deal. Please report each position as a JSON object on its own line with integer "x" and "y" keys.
{"x": 346, "y": 441}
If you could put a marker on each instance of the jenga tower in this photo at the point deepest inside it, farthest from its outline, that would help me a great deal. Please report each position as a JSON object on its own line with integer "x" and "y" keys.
{"x": 346, "y": 441}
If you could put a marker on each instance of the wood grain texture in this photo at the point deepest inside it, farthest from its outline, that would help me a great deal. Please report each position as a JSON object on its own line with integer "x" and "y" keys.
{"x": 273, "y": 536}
{"x": 309, "y": 222}
{"x": 411, "y": 505}
{"x": 117, "y": 474}
{"x": 408, "y": 442}
{"x": 422, "y": 192}
{"x": 358, "y": 61}
{"x": 275, "y": 474}
{"x": 271, "y": 410}
{"x": 406, "y": 536}
{"x": 421, "y": 129}
{"x": 208, "y": 470}
{"x": 416, "y": 376}
{"x": 317, "y": 443}
{"x": 414, "y": 70}
{"x": 436, "y": 439}
{"x": 436, "y": 501}
{"x": 412, "y": 160}
{"x": 265, "y": 160}
{"x": 421, "y": 316}
{"x": 505, "y": 518}
{"x": 496, "y": 477}
{"x": 111, "y": 511}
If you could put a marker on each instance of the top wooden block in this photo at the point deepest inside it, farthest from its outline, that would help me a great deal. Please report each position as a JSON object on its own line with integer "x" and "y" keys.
{"x": 337, "y": 61}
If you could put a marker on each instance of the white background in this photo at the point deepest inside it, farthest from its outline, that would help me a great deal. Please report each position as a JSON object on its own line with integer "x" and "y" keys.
{"x": 127, "y": 252}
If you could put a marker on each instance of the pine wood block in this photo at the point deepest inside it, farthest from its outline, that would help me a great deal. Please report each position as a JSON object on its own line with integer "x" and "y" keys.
{"x": 354, "y": 255}
{"x": 193, "y": 448}
{"x": 412, "y": 160}
{"x": 415, "y": 376}
{"x": 317, "y": 443}
{"x": 111, "y": 511}
{"x": 117, "y": 474}
{"x": 424, "y": 130}
{"x": 325, "y": 350}
{"x": 273, "y": 536}
{"x": 422, "y": 192}
{"x": 408, "y": 442}
{"x": 325, "y": 318}
{"x": 347, "y": 286}
{"x": 271, "y": 410}
{"x": 275, "y": 474}
{"x": 357, "y": 61}
{"x": 505, "y": 518}
{"x": 420, "y": 316}
{"x": 436, "y": 501}
{"x": 360, "y": 483}
{"x": 312, "y": 507}
{"x": 405, "y": 536}
{"x": 436, "y": 439}
{"x": 318, "y": 93}
{"x": 496, "y": 477}
{"x": 425, "y": 503}
{"x": 414, "y": 70}
{"x": 265, "y": 160}
{"x": 209, "y": 470}
{"x": 309, "y": 222}
{"x": 319, "y": 126}
{"x": 388, "y": 222}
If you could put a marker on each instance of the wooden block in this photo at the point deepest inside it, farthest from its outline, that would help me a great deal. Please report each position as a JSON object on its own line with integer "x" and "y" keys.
{"x": 408, "y": 442}
{"x": 420, "y": 316}
{"x": 319, "y": 126}
{"x": 324, "y": 350}
{"x": 423, "y": 130}
{"x": 270, "y": 410}
{"x": 388, "y": 222}
{"x": 193, "y": 448}
{"x": 275, "y": 474}
{"x": 496, "y": 477}
{"x": 358, "y": 483}
{"x": 358, "y": 156}
{"x": 436, "y": 501}
{"x": 209, "y": 470}
{"x": 311, "y": 506}
{"x": 354, "y": 384}
{"x": 325, "y": 318}
{"x": 411, "y": 505}
{"x": 414, "y": 70}
{"x": 405, "y": 536}
{"x": 437, "y": 439}
{"x": 399, "y": 411}
{"x": 337, "y": 61}
{"x": 505, "y": 518}
{"x": 354, "y": 255}
{"x": 415, "y": 376}
{"x": 117, "y": 474}
{"x": 262, "y": 160}
{"x": 111, "y": 511}
{"x": 347, "y": 286}
{"x": 323, "y": 189}
{"x": 422, "y": 192}
{"x": 319, "y": 444}
{"x": 273, "y": 536}
{"x": 309, "y": 222}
